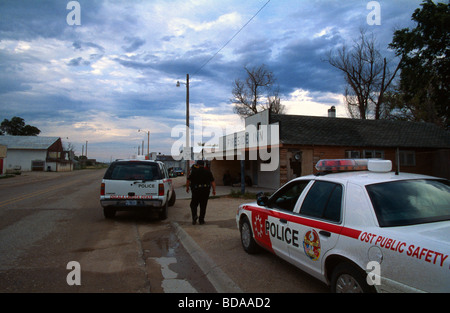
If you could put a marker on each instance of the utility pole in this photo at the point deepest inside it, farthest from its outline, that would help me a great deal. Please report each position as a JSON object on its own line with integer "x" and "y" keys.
{"x": 187, "y": 149}
{"x": 148, "y": 142}
{"x": 187, "y": 123}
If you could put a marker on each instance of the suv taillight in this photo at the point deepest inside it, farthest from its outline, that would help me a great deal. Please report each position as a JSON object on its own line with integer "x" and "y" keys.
{"x": 161, "y": 190}
{"x": 102, "y": 189}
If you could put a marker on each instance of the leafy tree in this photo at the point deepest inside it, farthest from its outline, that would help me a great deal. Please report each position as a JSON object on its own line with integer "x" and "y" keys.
{"x": 17, "y": 127}
{"x": 425, "y": 65}
{"x": 248, "y": 94}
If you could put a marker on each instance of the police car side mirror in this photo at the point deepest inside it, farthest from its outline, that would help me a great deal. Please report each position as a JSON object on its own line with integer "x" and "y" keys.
{"x": 261, "y": 199}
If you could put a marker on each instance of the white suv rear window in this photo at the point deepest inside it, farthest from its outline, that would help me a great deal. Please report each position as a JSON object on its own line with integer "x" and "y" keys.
{"x": 133, "y": 170}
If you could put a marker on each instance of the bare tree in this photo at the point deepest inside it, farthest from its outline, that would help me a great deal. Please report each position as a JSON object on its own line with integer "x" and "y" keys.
{"x": 367, "y": 74}
{"x": 248, "y": 94}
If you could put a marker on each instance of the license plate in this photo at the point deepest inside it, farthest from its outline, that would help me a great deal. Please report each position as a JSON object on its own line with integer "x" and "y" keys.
{"x": 130, "y": 202}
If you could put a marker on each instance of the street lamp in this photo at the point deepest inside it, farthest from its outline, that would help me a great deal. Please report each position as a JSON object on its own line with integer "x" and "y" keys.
{"x": 148, "y": 141}
{"x": 187, "y": 149}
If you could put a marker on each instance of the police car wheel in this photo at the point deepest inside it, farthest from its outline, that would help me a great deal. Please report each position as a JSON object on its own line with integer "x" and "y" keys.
{"x": 109, "y": 213}
{"x": 163, "y": 212}
{"x": 172, "y": 199}
{"x": 248, "y": 243}
{"x": 347, "y": 278}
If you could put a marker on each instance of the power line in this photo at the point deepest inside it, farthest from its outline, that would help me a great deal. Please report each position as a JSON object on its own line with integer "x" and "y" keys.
{"x": 237, "y": 33}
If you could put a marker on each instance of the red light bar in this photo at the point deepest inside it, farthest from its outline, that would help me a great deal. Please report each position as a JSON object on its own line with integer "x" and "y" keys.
{"x": 341, "y": 165}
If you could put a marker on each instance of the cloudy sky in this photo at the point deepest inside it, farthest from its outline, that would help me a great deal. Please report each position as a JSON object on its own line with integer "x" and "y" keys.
{"x": 116, "y": 72}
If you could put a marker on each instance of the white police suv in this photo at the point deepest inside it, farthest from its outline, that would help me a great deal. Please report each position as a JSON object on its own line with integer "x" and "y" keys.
{"x": 136, "y": 185}
{"x": 357, "y": 227}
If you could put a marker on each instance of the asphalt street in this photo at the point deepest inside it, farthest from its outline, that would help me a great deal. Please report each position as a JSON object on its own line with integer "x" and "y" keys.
{"x": 48, "y": 220}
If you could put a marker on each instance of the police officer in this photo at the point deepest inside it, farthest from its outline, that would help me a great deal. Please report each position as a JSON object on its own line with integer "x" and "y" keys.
{"x": 200, "y": 180}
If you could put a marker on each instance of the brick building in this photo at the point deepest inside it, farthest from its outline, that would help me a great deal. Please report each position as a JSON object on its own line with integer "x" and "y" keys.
{"x": 303, "y": 140}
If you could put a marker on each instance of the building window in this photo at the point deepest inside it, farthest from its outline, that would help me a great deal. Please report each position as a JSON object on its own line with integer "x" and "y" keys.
{"x": 407, "y": 158}
{"x": 373, "y": 154}
{"x": 350, "y": 154}
{"x": 54, "y": 155}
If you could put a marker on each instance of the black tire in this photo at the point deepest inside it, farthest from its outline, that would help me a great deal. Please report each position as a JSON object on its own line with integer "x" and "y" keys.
{"x": 164, "y": 210}
{"x": 248, "y": 242}
{"x": 172, "y": 199}
{"x": 347, "y": 278}
{"x": 109, "y": 212}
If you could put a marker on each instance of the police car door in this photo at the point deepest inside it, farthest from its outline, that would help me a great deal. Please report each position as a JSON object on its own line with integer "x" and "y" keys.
{"x": 317, "y": 225}
{"x": 282, "y": 204}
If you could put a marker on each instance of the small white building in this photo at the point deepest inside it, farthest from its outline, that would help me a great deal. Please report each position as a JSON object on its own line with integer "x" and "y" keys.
{"x": 2, "y": 159}
{"x": 35, "y": 153}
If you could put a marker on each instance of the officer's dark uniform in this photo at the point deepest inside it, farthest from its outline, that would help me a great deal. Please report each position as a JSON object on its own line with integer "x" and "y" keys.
{"x": 200, "y": 180}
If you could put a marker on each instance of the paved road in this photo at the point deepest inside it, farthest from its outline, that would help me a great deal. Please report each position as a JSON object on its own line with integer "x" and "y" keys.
{"x": 50, "y": 219}
{"x": 47, "y": 221}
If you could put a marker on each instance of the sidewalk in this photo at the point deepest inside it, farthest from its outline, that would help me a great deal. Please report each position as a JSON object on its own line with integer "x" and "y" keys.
{"x": 216, "y": 248}
{"x": 214, "y": 245}
{"x": 180, "y": 189}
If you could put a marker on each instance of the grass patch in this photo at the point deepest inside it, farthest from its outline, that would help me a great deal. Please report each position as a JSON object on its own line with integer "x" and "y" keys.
{"x": 246, "y": 195}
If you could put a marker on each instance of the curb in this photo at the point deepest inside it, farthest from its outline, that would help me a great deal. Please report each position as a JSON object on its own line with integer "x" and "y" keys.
{"x": 221, "y": 282}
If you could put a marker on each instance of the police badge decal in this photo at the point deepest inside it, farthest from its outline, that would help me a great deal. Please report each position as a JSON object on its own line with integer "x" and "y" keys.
{"x": 311, "y": 245}
{"x": 259, "y": 221}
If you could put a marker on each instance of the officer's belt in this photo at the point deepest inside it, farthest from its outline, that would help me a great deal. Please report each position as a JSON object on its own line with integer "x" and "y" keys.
{"x": 198, "y": 186}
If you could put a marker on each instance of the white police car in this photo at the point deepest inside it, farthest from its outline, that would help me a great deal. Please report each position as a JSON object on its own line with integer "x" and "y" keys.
{"x": 136, "y": 185}
{"x": 358, "y": 231}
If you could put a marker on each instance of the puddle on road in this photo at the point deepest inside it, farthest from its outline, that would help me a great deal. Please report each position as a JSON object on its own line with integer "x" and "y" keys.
{"x": 168, "y": 245}
{"x": 169, "y": 266}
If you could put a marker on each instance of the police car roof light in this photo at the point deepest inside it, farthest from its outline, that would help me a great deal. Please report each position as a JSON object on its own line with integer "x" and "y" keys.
{"x": 381, "y": 166}
{"x": 342, "y": 165}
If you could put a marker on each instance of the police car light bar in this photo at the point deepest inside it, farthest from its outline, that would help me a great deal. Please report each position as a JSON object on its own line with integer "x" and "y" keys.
{"x": 382, "y": 166}
{"x": 342, "y": 165}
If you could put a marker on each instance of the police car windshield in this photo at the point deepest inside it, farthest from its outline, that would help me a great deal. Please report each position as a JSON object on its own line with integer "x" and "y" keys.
{"x": 410, "y": 202}
{"x": 133, "y": 171}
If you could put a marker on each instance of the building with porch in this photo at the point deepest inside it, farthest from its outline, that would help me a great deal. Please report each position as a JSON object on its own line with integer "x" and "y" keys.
{"x": 276, "y": 148}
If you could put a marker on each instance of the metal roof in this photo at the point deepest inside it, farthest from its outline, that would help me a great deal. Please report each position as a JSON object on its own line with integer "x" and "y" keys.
{"x": 28, "y": 142}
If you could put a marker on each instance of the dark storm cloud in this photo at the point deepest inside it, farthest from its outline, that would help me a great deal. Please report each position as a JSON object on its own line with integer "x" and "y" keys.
{"x": 8, "y": 85}
{"x": 133, "y": 44}
{"x": 28, "y": 19}
{"x": 11, "y": 68}
{"x": 81, "y": 45}
{"x": 24, "y": 19}
{"x": 126, "y": 56}
{"x": 302, "y": 65}
{"x": 78, "y": 61}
